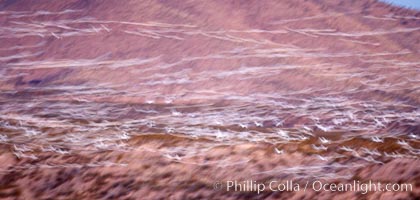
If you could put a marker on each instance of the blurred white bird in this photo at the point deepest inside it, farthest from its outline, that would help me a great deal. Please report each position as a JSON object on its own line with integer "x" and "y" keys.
{"x": 169, "y": 101}
{"x": 371, "y": 152}
{"x": 150, "y": 124}
{"x": 412, "y": 135}
{"x": 124, "y": 136}
{"x": 176, "y": 157}
{"x": 402, "y": 143}
{"x": 377, "y": 139}
{"x": 278, "y": 122}
{"x": 371, "y": 159}
{"x": 323, "y": 128}
{"x": 345, "y": 148}
{"x": 258, "y": 124}
{"x": 307, "y": 128}
{"x": 150, "y": 101}
{"x": 219, "y": 123}
{"x": 378, "y": 123}
{"x": 176, "y": 113}
{"x": 22, "y": 148}
{"x": 283, "y": 133}
{"x": 22, "y": 155}
{"x": 324, "y": 140}
{"x": 320, "y": 147}
{"x": 169, "y": 129}
{"x": 278, "y": 151}
{"x": 219, "y": 134}
{"x": 243, "y": 125}
{"x": 321, "y": 157}
{"x": 4, "y": 138}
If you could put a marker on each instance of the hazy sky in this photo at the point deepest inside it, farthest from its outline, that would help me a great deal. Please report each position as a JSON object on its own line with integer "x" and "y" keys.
{"x": 407, "y": 3}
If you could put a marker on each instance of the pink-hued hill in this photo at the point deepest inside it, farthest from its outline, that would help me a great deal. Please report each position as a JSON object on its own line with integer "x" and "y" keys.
{"x": 162, "y": 99}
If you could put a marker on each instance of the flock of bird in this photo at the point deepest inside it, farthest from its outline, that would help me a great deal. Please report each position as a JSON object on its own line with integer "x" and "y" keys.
{"x": 279, "y": 118}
